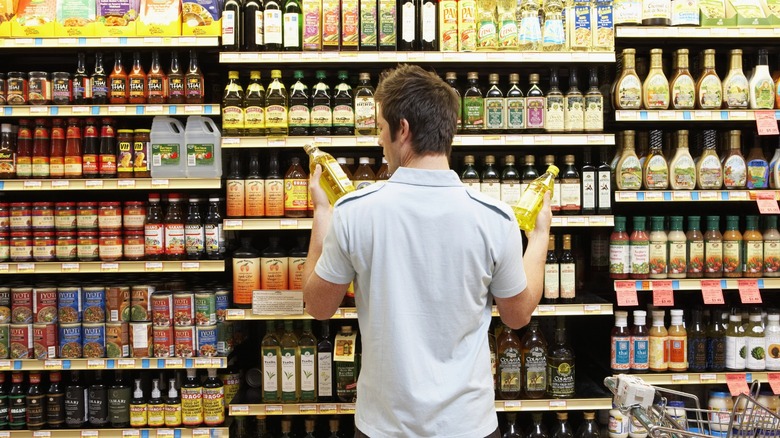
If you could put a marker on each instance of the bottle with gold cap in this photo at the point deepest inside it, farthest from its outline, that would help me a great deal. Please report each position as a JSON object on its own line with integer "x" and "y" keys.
{"x": 232, "y": 106}
{"x": 709, "y": 88}
{"x": 333, "y": 180}
{"x": 655, "y": 89}
{"x": 628, "y": 87}
{"x": 276, "y": 106}
{"x": 532, "y": 199}
{"x": 535, "y": 106}
{"x": 254, "y": 106}
{"x": 682, "y": 87}
{"x": 473, "y": 106}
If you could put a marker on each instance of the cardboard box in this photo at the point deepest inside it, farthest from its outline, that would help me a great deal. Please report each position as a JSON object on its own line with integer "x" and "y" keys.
{"x": 717, "y": 13}
{"x": 75, "y": 18}
{"x": 772, "y": 8}
{"x": 34, "y": 18}
{"x": 750, "y": 13}
{"x": 116, "y": 18}
{"x": 159, "y": 18}
{"x": 7, "y": 11}
{"x": 201, "y": 18}
{"x": 604, "y": 35}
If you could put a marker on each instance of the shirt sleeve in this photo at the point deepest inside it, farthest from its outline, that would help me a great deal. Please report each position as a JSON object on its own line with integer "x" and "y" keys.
{"x": 508, "y": 273}
{"x": 335, "y": 264}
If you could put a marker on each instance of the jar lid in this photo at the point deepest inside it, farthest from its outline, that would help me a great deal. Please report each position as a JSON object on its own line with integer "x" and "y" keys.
{"x": 110, "y": 233}
{"x": 20, "y": 234}
{"x": 64, "y": 204}
{"x": 88, "y": 233}
{"x": 43, "y": 204}
{"x": 20, "y": 204}
{"x": 720, "y": 394}
{"x": 43, "y": 234}
{"x": 124, "y": 131}
{"x": 3, "y": 205}
{"x": 134, "y": 233}
{"x": 676, "y": 404}
{"x": 110, "y": 204}
{"x": 134, "y": 203}
{"x": 143, "y": 131}
{"x": 87, "y": 204}
{"x": 61, "y": 73}
{"x": 39, "y": 73}
{"x": 65, "y": 234}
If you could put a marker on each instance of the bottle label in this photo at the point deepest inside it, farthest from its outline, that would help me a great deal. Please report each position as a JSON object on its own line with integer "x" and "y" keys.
{"x": 343, "y": 115}
{"x": 553, "y": 34}
{"x": 274, "y": 197}
{"x": 656, "y": 89}
{"x": 119, "y": 88}
{"x": 710, "y": 172}
{"x": 510, "y": 192}
{"x": 716, "y": 353}
{"x": 757, "y": 174}
{"x": 605, "y": 190}
{"x": 311, "y": 25}
{"x": 365, "y": 112}
{"x": 734, "y": 172}
{"x": 448, "y": 26}
{"x": 589, "y": 190}
{"x": 657, "y": 173}
{"x": 473, "y": 110}
{"x": 509, "y": 371}
{"x": 640, "y": 255}
{"x": 172, "y": 415}
{"x": 255, "y": 198}
{"x": 656, "y": 9}
{"x": 254, "y": 118}
{"x": 535, "y": 106}
{"x": 274, "y": 272}
{"x": 194, "y": 237}
{"x": 156, "y": 415}
{"x": 571, "y": 196}
{"x": 683, "y": 93}
{"x": 574, "y": 114}
{"x": 695, "y": 256}
{"x": 764, "y": 94}
{"x": 228, "y": 28}
{"x": 213, "y": 406}
{"x": 296, "y": 194}
{"x": 639, "y": 352}
{"x": 561, "y": 377}
{"x": 756, "y": 352}
{"x": 350, "y": 29}
{"x": 232, "y": 117}
{"x": 276, "y": 116}
{"x": 515, "y": 113}
{"x": 289, "y": 373}
{"x": 554, "y": 118}
{"x": 331, "y": 30}
{"x": 494, "y": 113}
{"x": 507, "y": 31}
{"x": 138, "y": 415}
{"x": 736, "y": 88}
{"x": 629, "y": 92}
{"x": 710, "y": 92}
{"x": 273, "y": 26}
{"x": 594, "y": 113}
{"x": 487, "y": 34}
{"x": 713, "y": 253}
{"x": 658, "y": 258}
{"x": 732, "y": 262}
{"x": 677, "y": 257}
{"x": 568, "y": 281}
{"x": 235, "y": 195}
{"x": 678, "y": 352}
{"x": 368, "y": 25}
{"x": 211, "y": 233}
{"x": 387, "y": 20}
{"x": 530, "y": 32}
{"x": 555, "y": 201}
{"x": 629, "y": 174}
{"x": 659, "y": 353}
{"x": 107, "y": 164}
{"x": 736, "y": 352}
{"x": 492, "y": 189}
{"x": 683, "y": 173}
{"x": 535, "y": 362}
{"x": 174, "y": 239}
{"x": 299, "y": 116}
{"x": 35, "y": 411}
{"x": 428, "y": 22}
{"x": 771, "y": 256}
{"x": 552, "y": 286}
{"x": 621, "y": 358}
{"x": 40, "y": 167}
{"x": 467, "y": 25}
{"x": 772, "y": 339}
{"x": 163, "y": 155}
{"x": 153, "y": 239}
{"x": 308, "y": 373}
{"x": 321, "y": 116}
{"x": 408, "y": 21}
{"x": 325, "y": 374}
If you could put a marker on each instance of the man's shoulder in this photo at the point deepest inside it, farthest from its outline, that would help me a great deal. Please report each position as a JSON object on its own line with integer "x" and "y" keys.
{"x": 502, "y": 208}
{"x": 358, "y": 194}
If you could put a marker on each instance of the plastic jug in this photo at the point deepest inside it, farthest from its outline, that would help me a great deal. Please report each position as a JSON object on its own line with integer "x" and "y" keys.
{"x": 167, "y": 138}
{"x": 204, "y": 153}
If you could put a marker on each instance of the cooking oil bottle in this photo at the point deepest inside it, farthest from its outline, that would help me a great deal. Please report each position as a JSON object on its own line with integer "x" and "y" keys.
{"x": 333, "y": 180}
{"x": 532, "y": 199}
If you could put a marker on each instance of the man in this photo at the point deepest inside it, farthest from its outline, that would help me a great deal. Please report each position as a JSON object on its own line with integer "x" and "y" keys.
{"x": 426, "y": 256}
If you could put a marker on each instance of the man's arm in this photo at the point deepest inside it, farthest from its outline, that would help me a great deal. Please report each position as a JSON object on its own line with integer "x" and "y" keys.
{"x": 516, "y": 311}
{"x": 321, "y": 297}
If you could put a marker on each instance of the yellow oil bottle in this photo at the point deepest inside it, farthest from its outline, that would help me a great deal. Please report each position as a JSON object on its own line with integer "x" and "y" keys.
{"x": 532, "y": 199}
{"x": 333, "y": 180}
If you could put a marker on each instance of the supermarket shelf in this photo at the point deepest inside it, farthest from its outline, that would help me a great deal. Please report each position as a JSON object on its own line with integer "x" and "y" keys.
{"x": 695, "y": 284}
{"x": 424, "y": 57}
{"x": 699, "y": 378}
{"x": 663, "y": 32}
{"x": 687, "y": 115}
{"x": 108, "y": 42}
{"x": 112, "y": 364}
{"x": 10, "y": 185}
{"x": 205, "y": 432}
{"x": 305, "y": 224}
{"x": 108, "y": 110}
{"x": 351, "y": 312}
{"x": 690, "y": 195}
{"x": 113, "y": 267}
{"x": 459, "y": 140}
{"x": 575, "y": 404}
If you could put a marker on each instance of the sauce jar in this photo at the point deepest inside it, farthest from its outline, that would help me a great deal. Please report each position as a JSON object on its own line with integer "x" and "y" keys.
{"x": 110, "y": 247}
{"x": 720, "y": 405}
{"x": 86, "y": 216}
{"x": 141, "y": 142}
{"x": 5, "y": 247}
{"x": 21, "y": 246}
{"x": 44, "y": 246}
{"x": 65, "y": 216}
{"x": 2, "y": 89}
{"x": 67, "y": 246}
{"x": 110, "y": 216}
{"x": 42, "y": 216}
{"x": 39, "y": 88}
{"x": 87, "y": 249}
{"x": 20, "y": 216}
{"x": 134, "y": 216}
{"x": 5, "y": 212}
{"x": 61, "y": 88}
{"x": 124, "y": 157}
{"x": 17, "y": 88}
{"x": 134, "y": 245}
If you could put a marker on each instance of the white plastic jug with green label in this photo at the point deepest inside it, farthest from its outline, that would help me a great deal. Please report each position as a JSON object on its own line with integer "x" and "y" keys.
{"x": 167, "y": 149}
{"x": 204, "y": 153}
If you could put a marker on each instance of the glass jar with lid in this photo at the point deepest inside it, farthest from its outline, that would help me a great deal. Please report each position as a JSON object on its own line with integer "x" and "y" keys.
{"x": 42, "y": 216}
{"x": 87, "y": 249}
{"x": 44, "y": 246}
{"x": 21, "y": 246}
{"x": 86, "y": 216}
{"x": 67, "y": 246}
{"x": 110, "y": 246}
{"x": 39, "y": 88}
{"x": 110, "y": 216}
{"x": 65, "y": 216}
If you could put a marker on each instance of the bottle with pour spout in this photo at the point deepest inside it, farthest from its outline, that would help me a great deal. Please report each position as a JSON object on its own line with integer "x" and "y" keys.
{"x": 333, "y": 180}
{"x": 532, "y": 199}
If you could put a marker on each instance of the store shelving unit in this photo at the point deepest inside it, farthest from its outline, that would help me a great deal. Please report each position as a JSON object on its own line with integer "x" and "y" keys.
{"x": 111, "y": 267}
{"x": 707, "y": 378}
{"x": 200, "y": 432}
{"x": 172, "y": 363}
{"x": 108, "y": 42}
{"x": 689, "y": 115}
{"x": 668, "y": 32}
{"x": 416, "y": 57}
{"x": 13, "y": 185}
{"x": 690, "y": 195}
{"x": 108, "y": 110}
{"x": 696, "y": 284}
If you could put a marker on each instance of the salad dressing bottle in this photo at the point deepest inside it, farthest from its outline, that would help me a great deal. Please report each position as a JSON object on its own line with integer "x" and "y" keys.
{"x": 713, "y": 249}
{"x": 628, "y": 87}
{"x": 762, "y": 86}
{"x": 655, "y": 171}
{"x": 659, "y": 343}
{"x": 732, "y": 248}
{"x": 709, "y": 88}
{"x": 682, "y": 170}
{"x": 658, "y": 254}
{"x": 771, "y": 247}
{"x": 752, "y": 249}
{"x": 682, "y": 86}
{"x": 757, "y": 167}
{"x": 655, "y": 89}
{"x": 734, "y": 166}
{"x": 628, "y": 171}
{"x": 695, "y": 248}
{"x": 735, "y": 86}
{"x": 709, "y": 173}
{"x": 678, "y": 257}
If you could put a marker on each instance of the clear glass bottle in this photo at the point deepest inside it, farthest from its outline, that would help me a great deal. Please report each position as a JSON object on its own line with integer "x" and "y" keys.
{"x": 574, "y": 106}
{"x": 713, "y": 248}
{"x": 762, "y": 87}
{"x": 628, "y": 171}
{"x": 536, "y": 106}
{"x": 552, "y": 274}
{"x": 509, "y": 365}
{"x": 709, "y": 89}
{"x": 254, "y": 104}
{"x": 682, "y": 169}
{"x": 735, "y": 344}
{"x": 343, "y": 112}
{"x": 510, "y": 181}
{"x": 320, "y": 104}
{"x": 495, "y": 107}
{"x": 515, "y": 106}
{"x": 734, "y": 165}
{"x": 490, "y": 182}
{"x": 470, "y": 177}
{"x": 530, "y": 31}
{"x": 588, "y": 428}
{"x": 628, "y": 87}
{"x": 534, "y": 362}
{"x": 736, "y": 86}
{"x": 709, "y": 173}
{"x": 655, "y": 172}
{"x": 659, "y": 343}
{"x": 554, "y": 119}
{"x": 640, "y": 343}
{"x": 571, "y": 187}
{"x": 594, "y": 104}
{"x": 682, "y": 86}
{"x": 553, "y": 35}
{"x": 716, "y": 342}
{"x": 655, "y": 89}
{"x": 365, "y": 106}
{"x": 560, "y": 365}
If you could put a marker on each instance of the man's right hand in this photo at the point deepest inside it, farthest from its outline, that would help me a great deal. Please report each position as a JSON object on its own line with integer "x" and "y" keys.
{"x": 543, "y": 221}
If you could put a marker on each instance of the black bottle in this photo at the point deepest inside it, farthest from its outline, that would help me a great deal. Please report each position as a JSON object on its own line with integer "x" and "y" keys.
{"x": 17, "y": 410}
{"x": 97, "y": 405}
{"x": 75, "y": 402}
{"x": 119, "y": 401}
{"x": 55, "y": 402}
{"x": 99, "y": 82}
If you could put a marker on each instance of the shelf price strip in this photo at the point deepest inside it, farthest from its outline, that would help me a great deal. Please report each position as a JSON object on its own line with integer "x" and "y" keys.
{"x": 767, "y": 203}
{"x": 711, "y": 292}
{"x": 626, "y": 293}
{"x": 748, "y": 291}
{"x": 662, "y": 293}
{"x": 737, "y": 384}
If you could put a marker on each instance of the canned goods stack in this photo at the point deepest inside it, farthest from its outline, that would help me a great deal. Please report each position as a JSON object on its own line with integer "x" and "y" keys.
{"x": 116, "y": 321}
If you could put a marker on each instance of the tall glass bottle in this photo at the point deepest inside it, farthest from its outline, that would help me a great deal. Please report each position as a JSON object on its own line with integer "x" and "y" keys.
{"x": 682, "y": 169}
{"x": 588, "y": 428}
{"x": 529, "y": 173}
{"x": 713, "y": 248}
{"x": 252, "y": 26}
{"x": 509, "y": 365}
{"x": 628, "y": 172}
{"x": 99, "y": 83}
{"x": 270, "y": 350}
{"x": 487, "y": 33}
{"x": 735, "y": 343}
{"x": 709, "y": 172}
{"x": 560, "y": 365}
{"x": 537, "y": 429}
{"x": 299, "y": 117}
{"x": 17, "y": 404}
{"x": 320, "y": 104}
{"x": 82, "y": 87}
{"x": 655, "y": 89}
{"x": 174, "y": 229}
{"x": 213, "y": 231}
{"x": 716, "y": 342}
{"x": 232, "y": 27}
{"x": 451, "y": 78}
{"x": 736, "y": 86}
{"x": 762, "y": 90}
{"x": 734, "y": 165}
{"x": 534, "y": 362}
{"x": 511, "y": 430}
{"x": 470, "y": 177}
{"x": 290, "y": 354}
{"x": 515, "y": 106}
{"x": 709, "y": 89}
{"x": 571, "y": 187}
{"x": 343, "y": 112}
{"x": 757, "y": 166}
{"x": 682, "y": 86}
{"x": 697, "y": 344}
{"x": 510, "y": 182}
{"x": 232, "y": 106}
{"x": 535, "y": 105}
{"x": 365, "y": 106}
{"x": 54, "y": 405}
{"x": 276, "y": 105}
{"x": 574, "y": 107}
{"x": 473, "y": 106}
{"x": 175, "y": 81}
{"x": 594, "y": 104}
{"x": 293, "y": 26}
{"x": 194, "y": 232}
{"x": 552, "y": 274}
{"x": 490, "y": 182}
{"x": 655, "y": 174}
{"x": 118, "y": 82}
{"x": 568, "y": 272}
{"x": 495, "y": 107}
{"x": 554, "y": 120}
{"x": 156, "y": 81}
{"x": 194, "y": 91}
{"x": 530, "y": 31}
{"x": 273, "y": 25}
{"x": 254, "y": 106}
{"x": 562, "y": 428}
{"x": 628, "y": 87}
{"x": 640, "y": 343}
{"x": 325, "y": 364}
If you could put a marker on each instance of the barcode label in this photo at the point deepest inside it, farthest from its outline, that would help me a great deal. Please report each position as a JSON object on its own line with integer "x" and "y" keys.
{"x": 191, "y": 160}
{"x": 156, "y": 160}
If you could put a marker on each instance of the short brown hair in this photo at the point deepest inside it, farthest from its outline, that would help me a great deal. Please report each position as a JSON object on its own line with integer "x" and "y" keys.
{"x": 428, "y": 104}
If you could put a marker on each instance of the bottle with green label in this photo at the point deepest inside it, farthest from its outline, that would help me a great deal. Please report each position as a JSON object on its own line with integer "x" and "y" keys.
{"x": 365, "y": 106}
{"x": 290, "y": 351}
{"x": 308, "y": 360}
{"x": 299, "y": 117}
{"x": 473, "y": 106}
{"x": 495, "y": 107}
{"x": 276, "y": 106}
{"x": 321, "y": 111}
{"x": 343, "y": 113}
{"x": 271, "y": 366}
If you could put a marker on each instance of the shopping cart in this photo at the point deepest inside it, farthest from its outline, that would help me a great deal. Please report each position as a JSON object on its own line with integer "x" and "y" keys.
{"x": 647, "y": 405}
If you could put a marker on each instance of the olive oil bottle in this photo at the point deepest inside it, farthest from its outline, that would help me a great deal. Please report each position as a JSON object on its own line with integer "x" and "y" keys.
{"x": 299, "y": 116}
{"x": 343, "y": 113}
{"x": 254, "y": 106}
{"x": 276, "y": 106}
{"x": 532, "y": 199}
{"x": 321, "y": 111}
{"x": 232, "y": 106}
{"x": 333, "y": 180}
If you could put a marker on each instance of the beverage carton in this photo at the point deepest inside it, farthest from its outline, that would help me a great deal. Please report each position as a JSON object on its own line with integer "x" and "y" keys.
{"x": 717, "y": 13}
{"x": 201, "y": 17}
{"x": 34, "y": 18}
{"x": 159, "y": 18}
{"x": 75, "y": 18}
{"x": 116, "y": 18}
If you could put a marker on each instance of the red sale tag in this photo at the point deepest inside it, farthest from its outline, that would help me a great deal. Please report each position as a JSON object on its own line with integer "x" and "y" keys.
{"x": 712, "y": 292}
{"x": 626, "y": 293}
{"x": 737, "y": 384}
{"x": 774, "y": 382}
{"x": 748, "y": 291}
{"x": 662, "y": 293}
{"x": 767, "y": 202}
{"x": 766, "y": 123}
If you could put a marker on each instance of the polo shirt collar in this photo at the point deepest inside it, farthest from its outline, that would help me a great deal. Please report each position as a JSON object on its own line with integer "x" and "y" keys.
{"x": 426, "y": 177}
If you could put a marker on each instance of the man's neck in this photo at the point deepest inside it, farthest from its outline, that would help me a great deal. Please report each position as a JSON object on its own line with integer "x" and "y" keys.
{"x": 427, "y": 162}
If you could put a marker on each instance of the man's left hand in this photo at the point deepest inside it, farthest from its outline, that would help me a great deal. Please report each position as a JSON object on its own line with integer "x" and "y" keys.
{"x": 317, "y": 193}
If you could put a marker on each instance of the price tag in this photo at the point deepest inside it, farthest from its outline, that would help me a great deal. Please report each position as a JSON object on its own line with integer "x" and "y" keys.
{"x": 153, "y": 266}
{"x": 349, "y": 314}
{"x": 667, "y": 115}
{"x": 25, "y": 268}
{"x": 277, "y": 142}
{"x": 79, "y": 110}
{"x": 190, "y": 266}
{"x": 109, "y": 267}
{"x": 766, "y": 123}
{"x": 153, "y": 109}
{"x": 627, "y": 196}
{"x": 557, "y": 221}
{"x": 126, "y": 363}
{"x": 737, "y": 115}
{"x": 152, "y": 40}
{"x": 160, "y": 183}
{"x": 5, "y": 434}
{"x": 558, "y": 404}
{"x": 543, "y": 139}
{"x": 193, "y": 109}
{"x": 592, "y": 308}
{"x": 512, "y": 405}
{"x": 681, "y": 196}
{"x": 662, "y": 293}
{"x": 365, "y": 140}
{"x": 31, "y": 184}
{"x": 166, "y": 433}
{"x": 41, "y": 434}
{"x": 576, "y": 220}
{"x": 491, "y": 139}
{"x": 113, "y": 109}
{"x": 39, "y": 110}
{"x": 201, "y": 433}
{"x": 3, "y": 267}
{"x": 239, "y": 409}
{"x": 348, "y": 408}
{"x": 626, "y": 293}
{"x": 595, "y": 139}
{"x": 711, "y": 292}
{"x": 328, "y": 409}
{"x": 287, "y": 224}
{"x": 93, "y": 184}
{"x": 5, "y": 364}
{"x": 767, "y": 203}
{"x": 702, "y": 115}
{"x": 52, "y": 364}
{"x": 60, "y": 184}
{"x": 738, "y": 195}
{"x": 131, "y": 433}
{"x": 174, "y": 363}
{"x": 545, "y": 309}
{"x": 70, "y": 267}
{"x": 96, "y": 364}
{"x": 737, "y": 384}
{"x": 307, "y": 409}
{"x": 748, "y": 291}
{"x": 703, "y": 378}
{"x": 708, "y": 195}
{"x": 323, "y": 140}
{"x": 679, "y": 377}
{"x": 774, "y": 382}
{"x": 233, "y": 224}
{"x": 597, "y": 220}
{"x": 236, "y": 314}
{"x": 231, "y": 140}
{"x": 654, "y": 196}
{"x": 89, "y": 433}
{"x": 125, "y": 183}
{"x": 273, "y": 409}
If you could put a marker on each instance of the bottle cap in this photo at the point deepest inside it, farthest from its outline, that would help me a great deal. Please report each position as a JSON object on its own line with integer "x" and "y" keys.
{"x": 774, "y": 317}
{"x": 735, "y": 318}
{"x": 473, "y": 75}
{"x": 553, "y": 169}
{"x": 320, "y": 74}
{"x": 493, "y": 78}
{"x": 490, "y": 159}
{"x": 232, "y": 74}
{"x": 534, "y": 78}
{"x": 364, "y": 76}
{"x": 640, "y": 317}
{"x": 514, "y": 78}
{"x": 450, "y": 75}
{"x": 139, "y": 393}
{"x": 621, "y": 319}
{"x": 509, "y": 159}
{"x": 172, "y": 393}
{"x": 155, "y": 388}
{"x": 755, "y": 317}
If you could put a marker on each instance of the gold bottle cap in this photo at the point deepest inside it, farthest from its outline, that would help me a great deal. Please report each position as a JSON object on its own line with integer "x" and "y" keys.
{"x": 365, "y": 76}
{"x": 473, "y": 75}
{"x": 468, "y": 159}
{"x": 629, "y": 51}
{"x": 276, "y": 74}
{"x": 562, "y": 415}
{"x": 568, "y": 159}
{"x": 534, "y": 78}
{"x": 682, "y": 52}
{"x": 656, "y": 51}
{"x": 493, "y": 78}
{"x": 232, "y": 74}
{"x": 254, "y": 74}
{"x": 509, "y": 159}
{"x": 490, "y": 159}
{"x": 514, "y": 78}
{"x": 451, "y": 75}
{"x": 549, "y": 159}
{"x": 736, "y": 51}
{"x": 530, "y": 159}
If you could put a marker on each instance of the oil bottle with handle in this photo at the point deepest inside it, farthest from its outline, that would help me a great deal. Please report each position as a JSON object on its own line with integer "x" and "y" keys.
{"x": 532, "y": 199}
{"x": 333, "y": 180}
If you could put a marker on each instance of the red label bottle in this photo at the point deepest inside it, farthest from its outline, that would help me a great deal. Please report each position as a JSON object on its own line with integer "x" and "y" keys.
{"x": 91, "y": 149}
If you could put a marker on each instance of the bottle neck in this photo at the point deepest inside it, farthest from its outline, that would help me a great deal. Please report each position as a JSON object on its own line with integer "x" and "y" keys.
{"x": 736, "y": 61}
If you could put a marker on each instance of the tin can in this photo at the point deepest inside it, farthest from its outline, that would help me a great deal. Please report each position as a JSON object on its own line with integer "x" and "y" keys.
{"x": 206, "y": 340}
{"x": 222, "y": 302}
{"x": 163, "y": 341}
{"x": 21, "y": 305}
{"x": 205, "y": 308}
{"x": 225, "y": 339}
{"x": 94, "y": 304}
{"x": 45, "y": 305}
{"x": 118, "y": 304}
{"x": 45, "y": 341}
{"x": 183, "y": 309}
{"x": 21, "y": 341}
{"x": 141, "y": 339}
{"x": 140, "y": 303}
{"x": 117, "y": 339}
{"x": 162, "y": 309}
{"x": 5, "y": 340}
{"x": 5, "y": 305}
{"x": 184, "y": 341}
{"x": 93, "y": 340}
{"x": 69, "y": 304}
{"x": 70, "y": 341}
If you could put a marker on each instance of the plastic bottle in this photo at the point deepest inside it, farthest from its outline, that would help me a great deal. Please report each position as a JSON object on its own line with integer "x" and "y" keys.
{"x": 639, "y": 343}
{"x": 618, "y": 423}
{"x": 204, "y": 151}
{"x": 659, "y": 343}
{"x": 155, "y": 406}
{"x": 678, "y": 342}
{"x": 138, "y": 414}
{"x": 658, "y": 254}
{"x": 735, "y": 344}
{"x": 619, "y": 250}
{"x": 168, "y": 140}
{"x": 620, "y": 343}
{"x": 246, "y": 273}
{"x": 532, "y": 199}
{"x": 173, "y": 409}
{"x": 771, "y": 247}
{"x": 678, "y": 257}
{"x": 772, "y": 337}
{"x": 639, "y": 253}
{"x": 213, "y": 400}
{"x": 756, "y": 348}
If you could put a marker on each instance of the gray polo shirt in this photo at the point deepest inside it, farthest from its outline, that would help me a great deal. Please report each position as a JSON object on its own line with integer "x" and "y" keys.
{"x": 425, "y": 254}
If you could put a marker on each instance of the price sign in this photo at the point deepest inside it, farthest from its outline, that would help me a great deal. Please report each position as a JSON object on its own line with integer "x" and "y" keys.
{"x": 512, "y": 405}
{"x": 239, "y": 409}
{"x": 25, "y": 268}
{"x": 711, "y": 292}
{"x": 41, "y": 434}
{"x": 273, "y": 409}
{"x": 328, "y": 409}
{"x": 626, "y": 293}
{"x": 307, "y": 409}
{"x": 767, "y": 204}
{"x": 558, "y": 404}
{"x": 52, "y": 365}
{"x": 748, "y": 291}
{"x": 190, "y": 266}
{"x": 679, "y": 377}
{"x": 89, "y": 433}
{"x": 662, "y": 293}
{"x": 348, "y": 408}
{"x": 545, "y": 309}
{"x": 31, "y": 184}
{"x": 153, "y": 266}
{"x": 93, "y": 184}
{"x": 774, "y": 382}
{"x": 70, "y": 267}
{"x": 96, "y": 364}
{"x": 766, "y": 123}
{"x": 737, "y": 384}
{"x": 109, "y": 267}
{"x": 60, "y": 184}
{"x": 126, "y": 183}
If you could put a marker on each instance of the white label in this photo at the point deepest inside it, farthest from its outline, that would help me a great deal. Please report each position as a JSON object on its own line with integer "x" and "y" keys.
{"x": 277, "y": 302}
{"x": 270, "y": 367}
{"x": 292, "y": 37}
{"x": 289, "y": 371}
{"x": 588, "y": 190}
{"x": 734, "y": 360}
{"x": 570, "y": 196}
{"x": 756, "y": 348}
{"x": 273, "y": 26}
{"x": 492, "y": 189}
{"x": 429, "y": 21}
{"x": 259, "y": 28}
{"x": 605, "y": 189}
{"x": 551, "y": 281}
{"x": 408, "y": 21}
{"x": 307, "y": 370}
{"x": 568, "y": 280}
{"x": 324, "y": 373}
{"x": 510, "y": 192}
